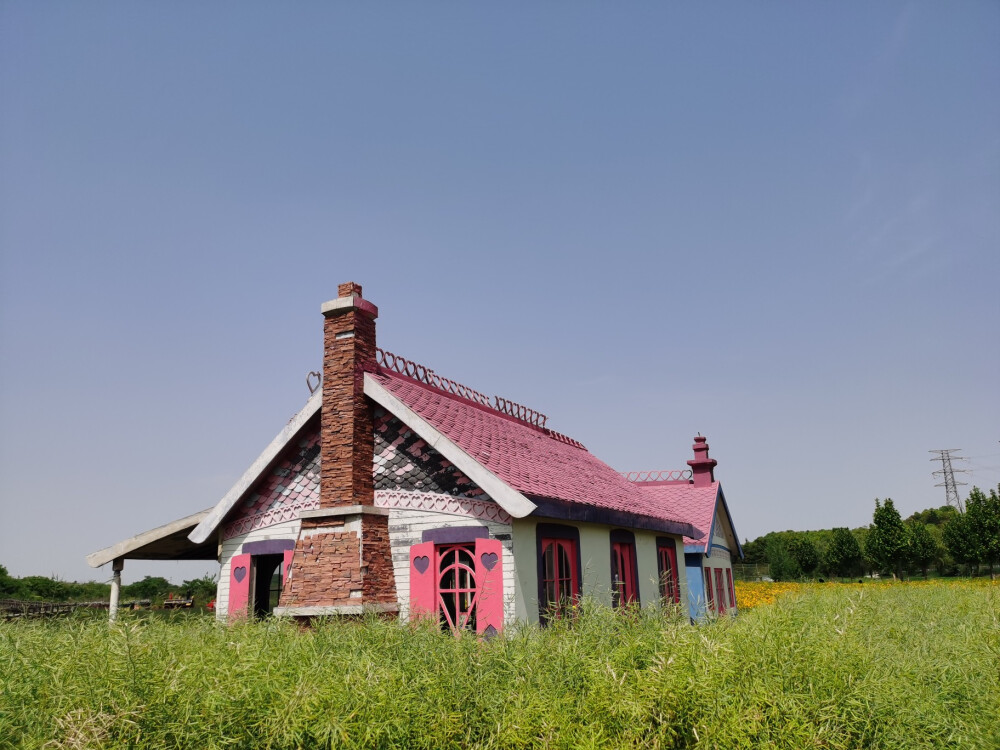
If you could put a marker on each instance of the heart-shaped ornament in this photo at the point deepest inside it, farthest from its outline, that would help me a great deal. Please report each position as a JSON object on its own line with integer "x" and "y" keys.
{"x": 239, "y": 574}
{"x": 421, "y": 563}
{"x": 489, "y": 560}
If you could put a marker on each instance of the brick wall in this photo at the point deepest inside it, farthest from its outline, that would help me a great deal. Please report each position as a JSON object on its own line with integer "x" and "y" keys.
{"x": 347, "y": 435}
{"x": 376, "y": 559}
{"x": 326, "y": 567}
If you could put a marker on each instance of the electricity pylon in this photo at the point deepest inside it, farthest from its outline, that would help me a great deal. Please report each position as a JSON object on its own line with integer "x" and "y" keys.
{"x": 946, "y": 471}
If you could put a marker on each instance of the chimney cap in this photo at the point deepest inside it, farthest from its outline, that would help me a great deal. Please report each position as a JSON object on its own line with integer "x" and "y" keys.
{"x": 349, "y": 298}
{"x": 702, "y": 467}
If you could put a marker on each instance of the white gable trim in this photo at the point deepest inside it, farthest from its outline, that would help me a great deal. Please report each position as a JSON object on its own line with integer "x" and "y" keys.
{"x": 720, "y": 503}
{"x": 205, "y": 529}
{"x": 505, "y": 496}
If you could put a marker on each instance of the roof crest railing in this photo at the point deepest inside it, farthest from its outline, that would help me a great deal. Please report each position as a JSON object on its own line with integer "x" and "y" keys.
{"x": 564, "y": 439}
{"x": 516, "y": 410}
{"x": 427, "y": 376}
{"x": 675, "y": 475}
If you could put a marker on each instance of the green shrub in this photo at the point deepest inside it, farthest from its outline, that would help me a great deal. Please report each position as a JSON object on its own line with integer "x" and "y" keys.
{"x": 894, "y": 667}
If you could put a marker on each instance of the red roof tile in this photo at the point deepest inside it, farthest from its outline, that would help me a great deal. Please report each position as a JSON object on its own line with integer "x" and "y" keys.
{"x": 695, "y": 505}
{"x": 525, "y": 457}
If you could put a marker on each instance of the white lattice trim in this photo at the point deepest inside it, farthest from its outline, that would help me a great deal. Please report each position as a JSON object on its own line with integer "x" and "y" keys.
{"x": 440, "y": 503}
{"x": 268, "y": 518}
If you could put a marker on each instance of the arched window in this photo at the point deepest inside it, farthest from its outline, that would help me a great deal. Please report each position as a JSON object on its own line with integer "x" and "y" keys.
{"x": 624, "y": 575}
{"x": 558, "y": 570}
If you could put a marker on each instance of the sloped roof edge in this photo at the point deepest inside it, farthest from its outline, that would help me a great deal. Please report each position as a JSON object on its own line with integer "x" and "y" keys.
{"x": 122, "y": 549}
{"x": 506, "y": 496}
{"x": 729, "y": 517}
{"x": 258, "y": 467}
{"x": 706, "y": 548}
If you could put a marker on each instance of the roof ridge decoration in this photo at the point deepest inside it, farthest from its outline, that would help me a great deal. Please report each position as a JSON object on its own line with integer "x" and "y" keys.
{"x": 669, "y": 475}
{"x": 565, "y": 439}
{"x": 427, "y": 376}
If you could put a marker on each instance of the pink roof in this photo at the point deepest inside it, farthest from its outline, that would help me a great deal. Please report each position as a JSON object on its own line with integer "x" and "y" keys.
{"x": 696, "y": 505}
{"x": 525, "y": 457}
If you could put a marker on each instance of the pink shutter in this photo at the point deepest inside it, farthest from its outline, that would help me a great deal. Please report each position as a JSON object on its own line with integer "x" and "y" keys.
{"x": 423, "y": 571}
{"x": 287, "y": 565}
{"x": 239, "y": 585}
{"x": 489, "y": 582}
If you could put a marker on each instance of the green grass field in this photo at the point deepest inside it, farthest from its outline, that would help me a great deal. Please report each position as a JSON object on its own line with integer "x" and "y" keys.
{"x": 890, "y": 666}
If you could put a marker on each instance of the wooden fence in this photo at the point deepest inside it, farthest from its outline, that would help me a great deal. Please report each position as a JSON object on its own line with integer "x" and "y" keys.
{"x": 12, "y": 609}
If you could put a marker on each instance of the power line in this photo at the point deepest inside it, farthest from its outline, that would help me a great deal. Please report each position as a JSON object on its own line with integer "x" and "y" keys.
{"x": 946, "y": 471}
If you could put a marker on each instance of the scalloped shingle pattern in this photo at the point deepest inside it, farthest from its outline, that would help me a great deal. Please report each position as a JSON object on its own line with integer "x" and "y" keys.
{"x": 294, "y": 478}
{"x": 403, "y": 461}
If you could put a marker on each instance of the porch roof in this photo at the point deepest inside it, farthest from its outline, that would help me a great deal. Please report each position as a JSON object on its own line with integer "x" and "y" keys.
{"x": 167, "y": 542}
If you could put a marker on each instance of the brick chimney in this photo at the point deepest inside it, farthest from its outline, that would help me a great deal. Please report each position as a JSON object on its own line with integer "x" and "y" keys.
{"x": 702, "y": 467}
{"x": 347, "y": 435}
{"x": 342, "y": 562}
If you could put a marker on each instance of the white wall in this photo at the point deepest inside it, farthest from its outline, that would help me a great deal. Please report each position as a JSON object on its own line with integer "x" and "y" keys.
{"x": 406, "y": 528}
{"x": 230, "y": 547}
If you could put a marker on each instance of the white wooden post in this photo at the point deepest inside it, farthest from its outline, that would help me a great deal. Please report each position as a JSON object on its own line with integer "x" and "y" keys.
{"x": 116, "y": 587}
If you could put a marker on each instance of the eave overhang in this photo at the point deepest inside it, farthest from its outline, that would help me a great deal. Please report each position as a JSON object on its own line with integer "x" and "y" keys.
{"x": 167, "y": 542}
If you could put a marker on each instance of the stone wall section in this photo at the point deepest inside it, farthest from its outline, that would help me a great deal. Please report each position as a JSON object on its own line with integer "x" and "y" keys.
{"x": 326, "y": 566}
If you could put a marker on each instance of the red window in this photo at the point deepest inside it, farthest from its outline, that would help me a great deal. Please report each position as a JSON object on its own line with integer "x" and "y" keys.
{"x": 709, "y": 599}
{"x": 666, "y": 554}
{"x": 732, "y": 591}
{"x": 720, "y": 590}
{"x": 624, "y": 581}
{"x": 456, "y": 587}
{"x": 559, "y": 577}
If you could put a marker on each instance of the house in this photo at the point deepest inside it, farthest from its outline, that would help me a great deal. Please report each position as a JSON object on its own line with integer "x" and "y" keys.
{"x": 707, "y": 557}
{"x": 396, "y": 490}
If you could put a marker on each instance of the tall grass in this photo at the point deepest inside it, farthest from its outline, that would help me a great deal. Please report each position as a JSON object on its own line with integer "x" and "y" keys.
{"x": 893, "y": 667}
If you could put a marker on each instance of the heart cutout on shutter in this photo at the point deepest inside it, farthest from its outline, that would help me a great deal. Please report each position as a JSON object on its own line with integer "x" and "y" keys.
{"x": 239, "y": 574}
{"x": 421, "y": 563}
{"x": 489, "y": 560}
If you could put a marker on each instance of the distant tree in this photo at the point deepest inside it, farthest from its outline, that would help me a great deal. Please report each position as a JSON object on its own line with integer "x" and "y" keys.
{"x": 803, "y": 551}
{"x": 754, "y": 552}
{"x": 935, "y": 516}
{"x": 10, "y": 587}
{"x": 922, "y": 548}
{"x": 962, "y": 543}
{"x": 47, "y": 589}
{"x": 982, "y": 514}
{"x": 886, "y": 544}
{"x": 843, "y": 556}
{"x": 201, "y": 589}
{"x": 781, "y": 564}
{"x": 150, "y": 587}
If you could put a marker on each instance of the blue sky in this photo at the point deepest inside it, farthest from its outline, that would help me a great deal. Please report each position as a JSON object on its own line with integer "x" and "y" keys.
{"x": 777, "y": 224}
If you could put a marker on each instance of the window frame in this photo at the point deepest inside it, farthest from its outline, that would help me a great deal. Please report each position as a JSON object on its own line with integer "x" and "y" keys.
{"x": 709, "y": 598}
{"x": 732, "y": 590}
{"x": 566, "y": 537}
{"x": 720, "y": 587}
{"x": 625, "y": 559}
{"x": 668, "y": 576}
